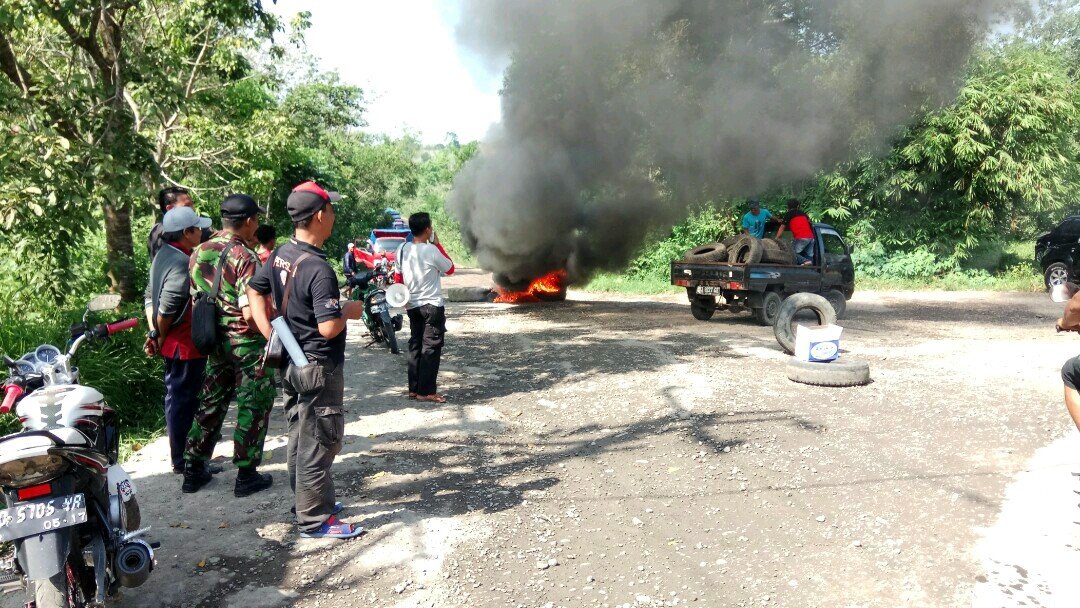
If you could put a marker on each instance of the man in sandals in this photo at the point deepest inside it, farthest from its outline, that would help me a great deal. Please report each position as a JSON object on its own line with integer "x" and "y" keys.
{"x": 423, "y": 262}
{"x": 314, "y": 393}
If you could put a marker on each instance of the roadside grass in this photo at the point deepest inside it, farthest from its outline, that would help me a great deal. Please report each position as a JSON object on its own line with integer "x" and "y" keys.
{"x": 617, "y": 283}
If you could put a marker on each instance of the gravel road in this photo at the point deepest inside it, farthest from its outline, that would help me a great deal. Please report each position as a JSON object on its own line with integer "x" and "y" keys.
{"x": 612, "y": 451}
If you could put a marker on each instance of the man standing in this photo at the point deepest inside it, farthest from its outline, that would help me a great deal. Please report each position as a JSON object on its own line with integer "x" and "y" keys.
{"x": 305, "y": 287}
{"x": 348, "y": 267}
{"x": 422, "y": 264}
{"x": 801, "y": 231}
{"x": 233, "y": 368}
{"x": 168, "y": 301}
{"x": 169, "y": 198}
{"x": 753, "y": 222}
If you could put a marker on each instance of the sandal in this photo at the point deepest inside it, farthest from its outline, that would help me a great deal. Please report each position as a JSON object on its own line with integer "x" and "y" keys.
{"x": 334, "y": 528}
{"x": 338, "y": 508}
{"x": 412, "y": 396}
{"x": 435, "y": 398}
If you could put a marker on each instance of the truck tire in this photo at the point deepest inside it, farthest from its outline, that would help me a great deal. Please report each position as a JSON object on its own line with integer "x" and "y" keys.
{"x": 838, "y": 301}
{"x": 770, "y": 308}
{"x": 785, "y": 333}
{"x": 775, "y": 251}
{"x": 703, "y": 308}
{"x": 713, "y": 252}
{"x": 730, "y": 241}
{"x": 747, "y": 250}
{"x": 847, "y": 372}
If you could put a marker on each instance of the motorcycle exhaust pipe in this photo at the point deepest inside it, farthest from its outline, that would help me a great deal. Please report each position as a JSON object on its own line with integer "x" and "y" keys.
{"x": 134, "y": 562}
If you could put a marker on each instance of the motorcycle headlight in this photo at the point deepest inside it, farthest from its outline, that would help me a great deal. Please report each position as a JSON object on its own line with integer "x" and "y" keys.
{"x": 33, "y": 470}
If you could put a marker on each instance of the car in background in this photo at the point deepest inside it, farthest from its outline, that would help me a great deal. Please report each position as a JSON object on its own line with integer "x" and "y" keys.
{"x": 1058, "y": 252}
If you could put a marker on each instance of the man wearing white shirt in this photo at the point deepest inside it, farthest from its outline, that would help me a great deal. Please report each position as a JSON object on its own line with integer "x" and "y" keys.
{"x": 423, "y": 263}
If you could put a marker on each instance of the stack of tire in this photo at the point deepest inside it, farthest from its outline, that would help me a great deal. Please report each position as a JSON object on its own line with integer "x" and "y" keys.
{"x": 743, "y": 249}
{"x": 840, "y": 373}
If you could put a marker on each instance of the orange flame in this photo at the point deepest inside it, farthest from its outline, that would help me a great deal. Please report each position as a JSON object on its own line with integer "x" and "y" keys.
{"x": 548, "y": 287}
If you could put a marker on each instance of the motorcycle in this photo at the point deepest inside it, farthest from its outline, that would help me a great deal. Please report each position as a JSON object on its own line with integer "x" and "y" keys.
{"x": 71, "y": 509}
{"x": 370, "y": 287}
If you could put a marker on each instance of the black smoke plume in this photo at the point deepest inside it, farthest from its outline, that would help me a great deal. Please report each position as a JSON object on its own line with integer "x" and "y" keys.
{"x": 619, "y": 114}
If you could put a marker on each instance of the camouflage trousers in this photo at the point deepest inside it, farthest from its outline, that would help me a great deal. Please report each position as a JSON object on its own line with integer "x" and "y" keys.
{"x": 233, "y": 371}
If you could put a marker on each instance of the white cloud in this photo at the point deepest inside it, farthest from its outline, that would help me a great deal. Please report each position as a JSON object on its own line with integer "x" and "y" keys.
{"x": 403, "y": 54}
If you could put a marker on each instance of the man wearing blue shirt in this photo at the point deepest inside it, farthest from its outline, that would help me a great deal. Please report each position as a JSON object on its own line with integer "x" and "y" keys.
{"x": 753, "y": 223}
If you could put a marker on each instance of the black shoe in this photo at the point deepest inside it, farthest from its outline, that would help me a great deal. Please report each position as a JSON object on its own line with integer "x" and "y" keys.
{"x": 196, "y": 475}
{"x": 214, "y": 469}
{"x": 250, "y": 483}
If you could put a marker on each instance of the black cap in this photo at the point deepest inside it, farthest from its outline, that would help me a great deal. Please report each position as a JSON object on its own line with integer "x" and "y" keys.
{"x": 307, "y": 199}
{"x": 240, "y": 207}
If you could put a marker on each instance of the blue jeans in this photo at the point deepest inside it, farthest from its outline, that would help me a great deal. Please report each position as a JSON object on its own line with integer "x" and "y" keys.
{"x": 803, "y": 249}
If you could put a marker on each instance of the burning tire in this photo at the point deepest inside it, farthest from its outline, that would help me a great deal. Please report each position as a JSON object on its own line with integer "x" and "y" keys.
{"x": 747, "y": 250}
{"x": 713, "y": 252}
{"x": 785, "y": 330}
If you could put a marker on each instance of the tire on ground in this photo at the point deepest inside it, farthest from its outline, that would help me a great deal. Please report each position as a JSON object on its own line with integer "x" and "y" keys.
{"x": 747, "y": 250}
{"x": 838, "y": 301}
{"x": 713, "y": 252}
{"x": 846, "y": 372}
{"x": 775, "y": 251}
{"x": 785, "y": 333}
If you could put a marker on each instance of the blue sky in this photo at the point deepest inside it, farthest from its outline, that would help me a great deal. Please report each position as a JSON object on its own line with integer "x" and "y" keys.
{"x": 403, "y": 54}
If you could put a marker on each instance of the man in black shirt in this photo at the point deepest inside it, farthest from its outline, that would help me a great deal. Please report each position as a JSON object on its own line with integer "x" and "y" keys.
{"x": 314, "y": 393}
{"x": 167, "y": 199}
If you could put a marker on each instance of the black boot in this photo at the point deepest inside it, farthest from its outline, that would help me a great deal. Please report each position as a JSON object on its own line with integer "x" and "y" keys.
{"x": 196, "y": 475}
{"x": 250, "y": 481}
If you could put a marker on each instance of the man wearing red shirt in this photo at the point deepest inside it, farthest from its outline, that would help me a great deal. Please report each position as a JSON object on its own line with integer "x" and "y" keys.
{"x": 802, "y": 233}
{"x": 168, "y": 302}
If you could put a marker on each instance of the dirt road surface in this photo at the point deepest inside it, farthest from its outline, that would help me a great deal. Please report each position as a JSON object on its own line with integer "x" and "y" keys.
{"x": 612, "y": 451}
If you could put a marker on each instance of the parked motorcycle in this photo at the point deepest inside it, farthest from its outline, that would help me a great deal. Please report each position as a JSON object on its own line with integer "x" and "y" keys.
{"x": 371, "y": 287}
{"x": 71, "y": 509}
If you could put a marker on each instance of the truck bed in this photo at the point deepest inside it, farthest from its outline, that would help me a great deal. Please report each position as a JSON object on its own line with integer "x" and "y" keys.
{"x": 732, "y": 277}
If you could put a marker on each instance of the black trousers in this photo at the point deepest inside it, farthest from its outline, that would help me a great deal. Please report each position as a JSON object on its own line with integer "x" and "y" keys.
{"x": 427, "y": 325}
{"x": 314, "y": 410}
{"x": 183, "y": 381}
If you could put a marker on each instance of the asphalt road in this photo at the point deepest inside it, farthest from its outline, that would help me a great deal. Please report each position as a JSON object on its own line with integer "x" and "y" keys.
{"x": 612, "y": 451}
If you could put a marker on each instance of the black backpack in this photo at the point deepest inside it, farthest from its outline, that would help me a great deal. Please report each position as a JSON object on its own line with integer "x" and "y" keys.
{"x": 206, "y": 331}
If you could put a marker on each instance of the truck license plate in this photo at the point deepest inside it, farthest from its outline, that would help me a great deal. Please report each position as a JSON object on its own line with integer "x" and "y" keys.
{"x": 30, "y": 518}
{"x": 710, "y": 291}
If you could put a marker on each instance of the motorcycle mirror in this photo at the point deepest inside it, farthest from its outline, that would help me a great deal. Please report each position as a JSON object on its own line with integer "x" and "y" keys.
{"x": 1063, "y": 292}
{"x": 103, "y": 302}
{"x": 9, "y": 362}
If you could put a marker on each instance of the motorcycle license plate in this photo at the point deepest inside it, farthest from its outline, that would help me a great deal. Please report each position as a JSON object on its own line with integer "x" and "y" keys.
{"x": 30, "y": 518}
{"x": 378, "y": 308}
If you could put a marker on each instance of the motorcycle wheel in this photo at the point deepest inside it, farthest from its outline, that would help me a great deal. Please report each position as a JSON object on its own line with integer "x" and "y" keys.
{"x": 390, "y": 335}
{"x": 61, "y": 590}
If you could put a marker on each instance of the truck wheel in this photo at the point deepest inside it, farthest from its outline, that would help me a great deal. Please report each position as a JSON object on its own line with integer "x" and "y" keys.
{"x": 747, "y": 250}
{"x": 848, "y": 372}
{"x": 770, "y": 308}
{"x": 730, "y": 241}
{"x": 784, "y": 328}
{"x": 838, "y": 301}
{"x": 713, "y": 252}
{"x": 703, "y": 308}
{"x": 775, "y": 251}
{"x": 1056, "y": 274}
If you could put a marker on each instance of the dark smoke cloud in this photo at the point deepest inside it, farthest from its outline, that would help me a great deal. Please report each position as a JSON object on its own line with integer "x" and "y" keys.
{"x": 619, "y": 114}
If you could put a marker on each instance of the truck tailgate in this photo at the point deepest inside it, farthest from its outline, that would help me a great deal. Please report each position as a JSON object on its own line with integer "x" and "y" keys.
{"x": 728, "y": 276}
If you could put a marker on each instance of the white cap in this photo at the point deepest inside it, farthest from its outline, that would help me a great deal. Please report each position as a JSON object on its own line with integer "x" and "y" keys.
{"x": 182, "y": 218}
{"x": 352, "y": 246}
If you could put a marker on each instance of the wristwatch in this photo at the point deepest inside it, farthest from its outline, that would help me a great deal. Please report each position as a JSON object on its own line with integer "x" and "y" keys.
{"x": 153, "y": 334}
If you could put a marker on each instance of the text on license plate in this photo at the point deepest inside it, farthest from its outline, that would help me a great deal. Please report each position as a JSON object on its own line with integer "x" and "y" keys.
{"x": 710, "y": 291}
{"x": 30, "y": 518}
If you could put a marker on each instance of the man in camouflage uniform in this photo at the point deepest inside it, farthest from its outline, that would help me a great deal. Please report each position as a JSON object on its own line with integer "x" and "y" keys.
{"x": 233, "y": 368}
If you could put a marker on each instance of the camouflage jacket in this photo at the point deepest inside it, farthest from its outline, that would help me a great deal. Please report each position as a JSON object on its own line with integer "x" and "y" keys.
{"x": 239, "y": 267}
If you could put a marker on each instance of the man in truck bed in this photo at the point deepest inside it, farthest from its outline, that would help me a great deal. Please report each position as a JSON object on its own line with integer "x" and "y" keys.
{"x": 802, "y": 232}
